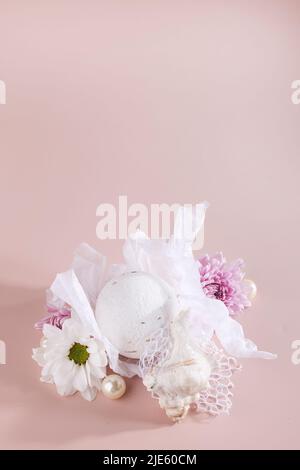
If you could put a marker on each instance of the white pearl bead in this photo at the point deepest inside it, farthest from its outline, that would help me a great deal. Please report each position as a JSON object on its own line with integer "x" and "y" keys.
{"x": 251, "y": 288}
{"x": 113, "y": 386}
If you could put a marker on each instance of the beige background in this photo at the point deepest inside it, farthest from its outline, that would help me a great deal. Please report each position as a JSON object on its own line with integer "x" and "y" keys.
{"x": 164, "y": 101}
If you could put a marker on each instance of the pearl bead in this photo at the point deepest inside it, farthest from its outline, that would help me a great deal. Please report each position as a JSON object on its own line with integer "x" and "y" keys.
{"x": 251, "y": 288}
{"x": 113, "y": 386}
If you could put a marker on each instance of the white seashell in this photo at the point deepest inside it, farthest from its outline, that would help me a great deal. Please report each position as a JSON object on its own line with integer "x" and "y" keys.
{"x": 177, "y": 382}
{"x": 177, "y": 414}
{"x": 131, "y": 307}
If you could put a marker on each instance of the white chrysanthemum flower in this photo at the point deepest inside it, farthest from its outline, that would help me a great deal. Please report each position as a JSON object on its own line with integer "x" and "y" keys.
{"x": 71, "y": 359}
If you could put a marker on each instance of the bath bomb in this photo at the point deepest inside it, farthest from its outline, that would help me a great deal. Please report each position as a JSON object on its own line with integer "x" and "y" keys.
{"x": 131, "y": 307}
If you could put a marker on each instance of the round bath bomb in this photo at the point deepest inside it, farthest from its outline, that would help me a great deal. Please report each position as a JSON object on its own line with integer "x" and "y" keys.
{"x": 132, "y": 307}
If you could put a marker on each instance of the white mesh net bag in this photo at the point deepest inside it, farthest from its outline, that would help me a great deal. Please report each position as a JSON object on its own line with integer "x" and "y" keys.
{"x": 183, "y": 373}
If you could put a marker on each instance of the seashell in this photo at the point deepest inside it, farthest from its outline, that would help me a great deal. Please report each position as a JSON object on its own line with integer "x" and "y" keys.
{"x": 177, "y": 414}
{"x": 130, "y": 307}
{"x": 178, "y": 379}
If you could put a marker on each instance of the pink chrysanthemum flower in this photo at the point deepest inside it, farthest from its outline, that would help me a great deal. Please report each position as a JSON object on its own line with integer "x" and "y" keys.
{"x": 56, "y": 317}
{"x": 224, "y": 281}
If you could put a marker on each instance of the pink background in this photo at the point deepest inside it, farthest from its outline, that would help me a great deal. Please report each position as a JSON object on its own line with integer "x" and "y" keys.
{"x": 163, "y": 101}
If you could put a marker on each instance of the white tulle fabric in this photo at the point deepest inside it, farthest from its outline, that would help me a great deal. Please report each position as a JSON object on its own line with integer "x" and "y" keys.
{"x": 171, "y": 261}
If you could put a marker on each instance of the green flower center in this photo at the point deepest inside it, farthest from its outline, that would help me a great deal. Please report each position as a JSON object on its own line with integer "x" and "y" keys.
{"x": 78, "y": 353}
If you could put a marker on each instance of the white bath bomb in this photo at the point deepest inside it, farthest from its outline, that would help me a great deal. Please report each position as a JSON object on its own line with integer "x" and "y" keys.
{"x": 131, "y": 307}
